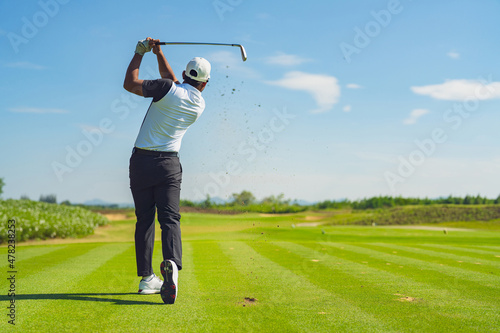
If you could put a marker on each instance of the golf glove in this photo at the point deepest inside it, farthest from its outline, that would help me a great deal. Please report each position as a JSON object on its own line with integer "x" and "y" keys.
{"x": 142, "y": 47}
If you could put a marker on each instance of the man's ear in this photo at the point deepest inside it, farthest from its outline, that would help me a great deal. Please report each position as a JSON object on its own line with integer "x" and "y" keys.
{"x": 183, "y": 75}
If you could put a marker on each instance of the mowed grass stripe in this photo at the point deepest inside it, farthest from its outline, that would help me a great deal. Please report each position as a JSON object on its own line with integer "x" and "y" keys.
{"x": 116, "y": 275}
{"x": 281, "y": 294}
{"x": 472, "y": 251}
{"x": 307, "y": 287}
{"x": 442, "y": 266}
{"x": 390, "y": 294}
{"x": 264, "y": 299}
{"x": 189, "y": 311}
{"x": 43, "y": 262}
{"x": 418, "y": 270}
{"x": 494, "y": 248}
{"x": 23, "y": 253}
{"x": 467, "y": 262}
{"x": 223, "y": 290}
{"x": 42, "y": 289}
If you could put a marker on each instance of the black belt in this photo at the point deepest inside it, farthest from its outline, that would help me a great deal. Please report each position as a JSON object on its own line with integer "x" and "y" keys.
{"x": 154, "y": 153}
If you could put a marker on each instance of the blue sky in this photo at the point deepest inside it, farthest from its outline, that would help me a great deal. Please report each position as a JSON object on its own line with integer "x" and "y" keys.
{"x": 338, "y": 99}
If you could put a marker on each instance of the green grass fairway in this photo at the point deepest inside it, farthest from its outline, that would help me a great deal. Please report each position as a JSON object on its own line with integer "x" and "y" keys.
{"x": 252, "y": 273}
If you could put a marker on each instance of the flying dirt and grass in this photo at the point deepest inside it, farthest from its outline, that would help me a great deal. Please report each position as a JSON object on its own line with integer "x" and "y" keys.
{"x": 312, "y": 271}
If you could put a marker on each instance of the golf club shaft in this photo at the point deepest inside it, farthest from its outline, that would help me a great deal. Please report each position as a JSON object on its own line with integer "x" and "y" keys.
{"x": 243, "y": 52}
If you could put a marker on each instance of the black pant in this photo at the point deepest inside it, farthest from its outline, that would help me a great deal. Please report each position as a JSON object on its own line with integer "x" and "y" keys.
{"x": 155, "y": 182}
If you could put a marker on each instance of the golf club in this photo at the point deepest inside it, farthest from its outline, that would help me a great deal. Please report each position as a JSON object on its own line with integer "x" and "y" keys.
{"x": 243, "y": 52}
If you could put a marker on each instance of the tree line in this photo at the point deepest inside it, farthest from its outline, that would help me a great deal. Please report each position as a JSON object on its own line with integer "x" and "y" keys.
{"x": 389, "y": 201}
{"x": 247, "y": 199}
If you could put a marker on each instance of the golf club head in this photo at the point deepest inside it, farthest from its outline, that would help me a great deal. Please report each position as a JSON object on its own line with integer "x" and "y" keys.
{"x": 243, "y": 53}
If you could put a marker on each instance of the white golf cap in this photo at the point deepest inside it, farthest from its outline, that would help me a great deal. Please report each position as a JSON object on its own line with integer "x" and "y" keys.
{"x": 198, "y": 69}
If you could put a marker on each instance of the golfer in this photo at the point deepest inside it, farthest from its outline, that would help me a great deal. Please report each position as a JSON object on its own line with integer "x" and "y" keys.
{"x": 155, "y": 171}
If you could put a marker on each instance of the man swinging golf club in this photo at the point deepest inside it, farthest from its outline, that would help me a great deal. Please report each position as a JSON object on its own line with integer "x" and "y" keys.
{"x": 155, "y": 171}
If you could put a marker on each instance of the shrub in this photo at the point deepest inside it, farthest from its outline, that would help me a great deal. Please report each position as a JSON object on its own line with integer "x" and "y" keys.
{"x": 41, "y": 220}
{"x": 430, "y": 214}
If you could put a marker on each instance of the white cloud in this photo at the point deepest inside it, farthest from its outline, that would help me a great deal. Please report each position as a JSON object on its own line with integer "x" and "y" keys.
{"x": 453, "y": 55}
{"x": 460, "y": 90}
{"x": 353, "y": 86}
{"x": 284, "y": 59}
{"x": 347, "y": 108}
{"x": 24, "y": 65}
{"x": 37, "y": 110}
{"x": 414, "y": 115}
{"x": 323, "y": 88}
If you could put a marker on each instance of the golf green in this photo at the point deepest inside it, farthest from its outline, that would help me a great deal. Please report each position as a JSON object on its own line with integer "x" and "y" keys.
{"x": 256, "y": 273}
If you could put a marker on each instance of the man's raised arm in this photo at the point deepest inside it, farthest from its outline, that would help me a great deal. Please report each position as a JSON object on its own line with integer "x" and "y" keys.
{"x": 132, "y": 82}
{"x": 166, "y": 71}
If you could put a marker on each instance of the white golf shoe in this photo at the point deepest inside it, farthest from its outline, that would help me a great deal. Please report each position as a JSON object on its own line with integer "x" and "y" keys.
{"x": 150, "y": 286}
{"x": 170, "y": 274}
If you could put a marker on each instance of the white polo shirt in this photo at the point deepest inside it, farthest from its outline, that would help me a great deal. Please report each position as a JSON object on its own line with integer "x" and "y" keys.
{"x": 175, "y": 107}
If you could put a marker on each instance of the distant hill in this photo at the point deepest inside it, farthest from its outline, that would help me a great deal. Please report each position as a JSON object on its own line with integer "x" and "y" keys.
{"x": 218, "y": 200}
{"x": 302, "y": 202}
{"x": 99, "y": 202}
{"x": 96, "y": 202}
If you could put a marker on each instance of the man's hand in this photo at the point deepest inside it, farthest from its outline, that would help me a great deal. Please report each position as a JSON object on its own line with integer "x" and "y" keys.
{"x": 143, "y": 46}
{"x": 156, "y": 48}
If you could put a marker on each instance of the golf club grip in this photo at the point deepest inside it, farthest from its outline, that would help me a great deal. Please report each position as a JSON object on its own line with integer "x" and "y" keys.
{"x": 181, "y": 43}
{"x": 196, "y": 43}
